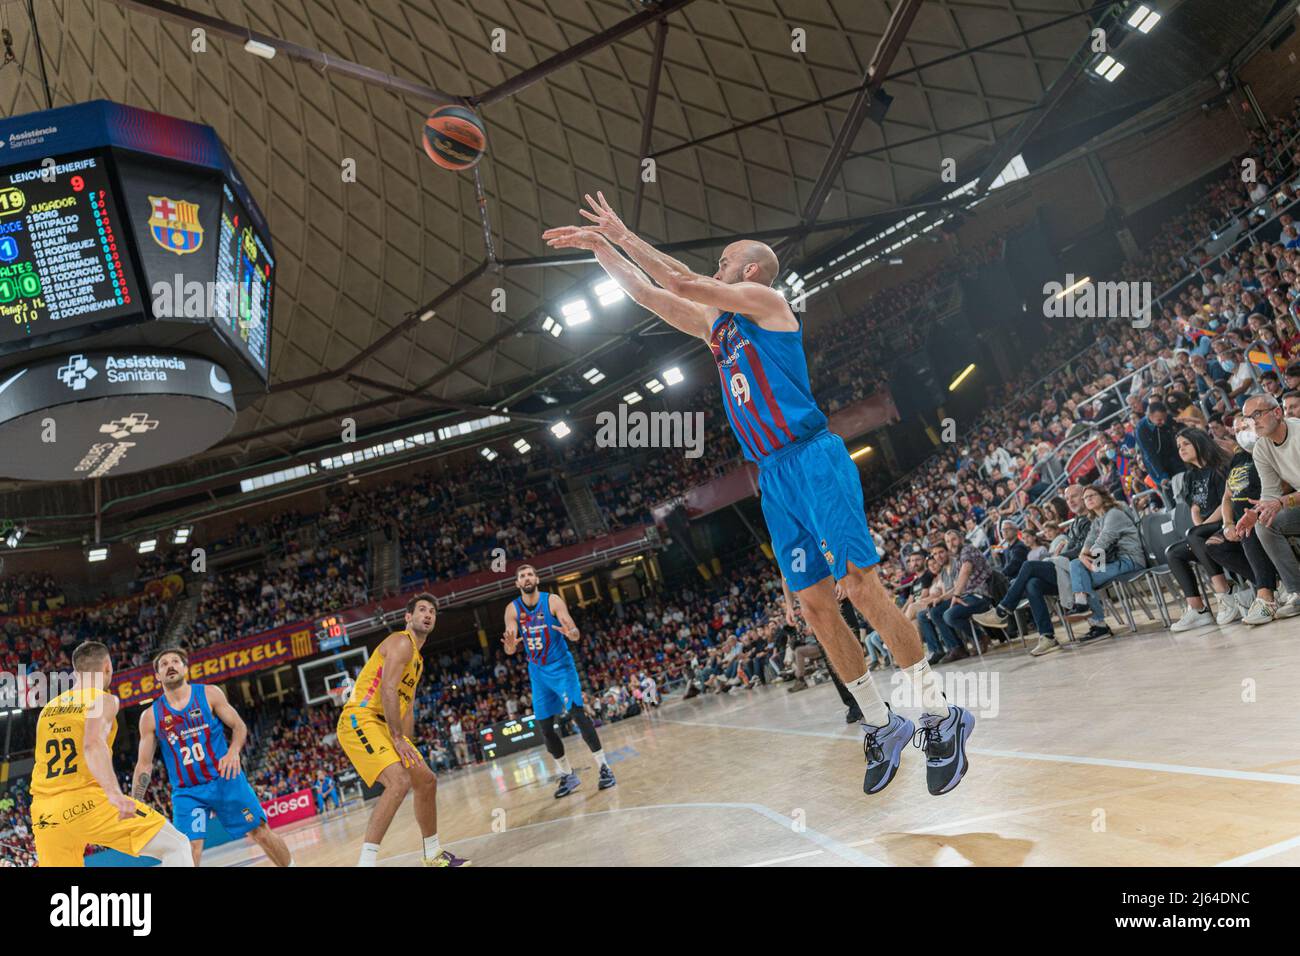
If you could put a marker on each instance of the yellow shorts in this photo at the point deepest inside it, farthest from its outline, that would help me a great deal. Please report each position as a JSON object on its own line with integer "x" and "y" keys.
{"x": 368, "y": 744}
{"x": 63, "y": 824}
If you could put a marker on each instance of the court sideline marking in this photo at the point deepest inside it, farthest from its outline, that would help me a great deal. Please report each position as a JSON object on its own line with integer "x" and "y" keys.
{"x": 825, "y": 842}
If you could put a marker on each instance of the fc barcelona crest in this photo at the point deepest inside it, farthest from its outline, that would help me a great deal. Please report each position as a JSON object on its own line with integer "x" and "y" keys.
{"x": 174, "y": 224}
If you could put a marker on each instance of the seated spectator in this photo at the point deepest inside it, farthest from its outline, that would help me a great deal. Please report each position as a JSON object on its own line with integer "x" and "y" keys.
{"x": 1112, "y": 548}
{"x": 1276, "y": 519}
{"x": 1203, "y": 491}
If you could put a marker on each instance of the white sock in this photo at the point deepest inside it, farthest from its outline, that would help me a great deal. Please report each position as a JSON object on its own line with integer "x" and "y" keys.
{"x": 926, "y": 690}
{"x": 874, "y": 711}
{"x": 562, "y": 763}
{"x": 431, "y": 847}
{"x": 369, "y": 854}
{"x": 599, "y": 757}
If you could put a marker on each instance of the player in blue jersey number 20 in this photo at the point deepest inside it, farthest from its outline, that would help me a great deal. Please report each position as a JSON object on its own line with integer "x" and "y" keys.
{"x": 810, "y": 490}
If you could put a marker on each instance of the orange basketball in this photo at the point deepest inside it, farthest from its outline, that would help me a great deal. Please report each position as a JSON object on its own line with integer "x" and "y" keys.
{"x": 454, "y": 137}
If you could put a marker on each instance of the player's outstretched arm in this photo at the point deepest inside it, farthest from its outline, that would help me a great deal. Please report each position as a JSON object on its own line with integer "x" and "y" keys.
{"x": 229, "y": 766}
{"x": 561, "y": 611}
{"x": 658, "y": 265}
{"x": 762, "y": 303}
{"x": 682, "y": 314}
{"x": 143, "y": 772}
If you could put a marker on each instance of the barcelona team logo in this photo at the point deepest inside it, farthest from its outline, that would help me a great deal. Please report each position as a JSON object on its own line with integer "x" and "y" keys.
{"x": 830, "y": 555}
{"x": 175, "y": 224}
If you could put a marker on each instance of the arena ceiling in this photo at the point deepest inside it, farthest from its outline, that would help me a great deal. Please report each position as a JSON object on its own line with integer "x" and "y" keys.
{"x": 359, "y": 262}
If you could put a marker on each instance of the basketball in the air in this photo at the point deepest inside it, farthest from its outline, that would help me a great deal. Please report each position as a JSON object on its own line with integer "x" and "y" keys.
{"x": 454, "y": 137}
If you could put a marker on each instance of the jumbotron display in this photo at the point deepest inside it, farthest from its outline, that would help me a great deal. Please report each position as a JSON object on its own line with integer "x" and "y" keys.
{"x": 125, "y": 236}
{"x": 62, "y": 261}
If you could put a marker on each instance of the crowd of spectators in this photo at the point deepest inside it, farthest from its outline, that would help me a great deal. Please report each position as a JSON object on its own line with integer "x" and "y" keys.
{"x": 1108, "y": 413}
{"x": 26, "y": 592}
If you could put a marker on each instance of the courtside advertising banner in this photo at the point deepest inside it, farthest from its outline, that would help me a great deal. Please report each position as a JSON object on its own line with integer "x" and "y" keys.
{"x": 289, "y": 808}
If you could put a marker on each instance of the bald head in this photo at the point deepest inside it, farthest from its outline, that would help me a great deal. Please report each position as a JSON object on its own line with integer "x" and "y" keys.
{"x": 738, "y": 258}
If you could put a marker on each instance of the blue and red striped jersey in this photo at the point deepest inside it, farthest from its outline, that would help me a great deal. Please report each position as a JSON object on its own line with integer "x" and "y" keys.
{"x": 539, "y": 629}
{"x": 193, "y": 739}
{"x": 765, "y": 389}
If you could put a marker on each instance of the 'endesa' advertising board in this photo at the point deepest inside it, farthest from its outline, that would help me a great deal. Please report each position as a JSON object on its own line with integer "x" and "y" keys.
{"x": 289, "y": 808}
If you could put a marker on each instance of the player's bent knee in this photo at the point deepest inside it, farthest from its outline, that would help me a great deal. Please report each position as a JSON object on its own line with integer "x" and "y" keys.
{"x": 395, "y": 780}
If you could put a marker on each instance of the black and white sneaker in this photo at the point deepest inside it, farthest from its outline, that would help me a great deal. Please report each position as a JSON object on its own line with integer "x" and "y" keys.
{"x": 606, "y": 778}
{"x": 943, "y": 739}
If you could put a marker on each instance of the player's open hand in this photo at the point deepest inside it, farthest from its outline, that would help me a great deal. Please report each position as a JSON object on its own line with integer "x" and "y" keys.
{"x": 229, "y": 766}
{"x": 573, "y": 237}
{"x": 125, "y": 806}
{"x": 606, "y": 220}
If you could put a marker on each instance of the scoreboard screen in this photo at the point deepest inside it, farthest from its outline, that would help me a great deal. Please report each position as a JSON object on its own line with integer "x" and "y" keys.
{"x": 63, "y": 261}
{"x": 244, "y": 266}
{"x": 509, "y": 736}
{"x": 331, "y": 632}
{"x": 125, "y": 229}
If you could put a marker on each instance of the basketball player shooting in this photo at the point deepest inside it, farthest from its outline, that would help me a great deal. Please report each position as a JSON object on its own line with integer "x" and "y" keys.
{"x": 540, "y": 621}
{"x": 810, "y": 491}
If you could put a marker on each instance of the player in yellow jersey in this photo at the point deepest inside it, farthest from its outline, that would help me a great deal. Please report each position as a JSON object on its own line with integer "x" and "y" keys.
{"x": 76, "y": 799}
{"x": 375, "y": 730}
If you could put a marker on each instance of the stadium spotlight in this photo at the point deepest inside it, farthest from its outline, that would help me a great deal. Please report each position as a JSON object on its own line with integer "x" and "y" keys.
{"x": 489, "y": 454}
{"x": 654, "y": 386}
{"x": 523, "y": 447}
{"x": 962, "y": 377}
{"x": 560, "y": 429}
{"x": 575, "y": 312}
{"x": 147, "y": 546}
{"x": 182, "y": 535}
{"x": 1108, "y": 68}
{"x": 1143, "y": 18}
{"x": 1066, "y": 291}
{"x": 16, "y": 534}
{"x": 97, "y": 553}
{"x": 631, "y": 398}
{"x": 594, "y": 375}
{"x": 673, "y": 375}
{"x": 864, "y": 450}
{"x": 550, "y": 325}
{"x": 258, "y": 48}
{"x": 608, "y": 292}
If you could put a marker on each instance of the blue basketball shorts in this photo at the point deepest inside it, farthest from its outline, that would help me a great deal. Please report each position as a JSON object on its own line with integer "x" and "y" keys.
{"x": 812, "y": 501}
{"x": 233, "y": 801}
{"x": 554, "y": 691}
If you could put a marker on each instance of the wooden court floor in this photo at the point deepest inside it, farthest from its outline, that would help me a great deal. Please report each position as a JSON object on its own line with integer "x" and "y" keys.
{"x": 1156, "y": 749}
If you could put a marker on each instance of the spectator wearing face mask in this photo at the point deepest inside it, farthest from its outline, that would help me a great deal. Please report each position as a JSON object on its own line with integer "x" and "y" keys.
{"x": 1275, "y": 516}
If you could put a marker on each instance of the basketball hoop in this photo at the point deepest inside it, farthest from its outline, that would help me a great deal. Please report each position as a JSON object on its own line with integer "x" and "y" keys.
{"x": 339, "y": 692}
